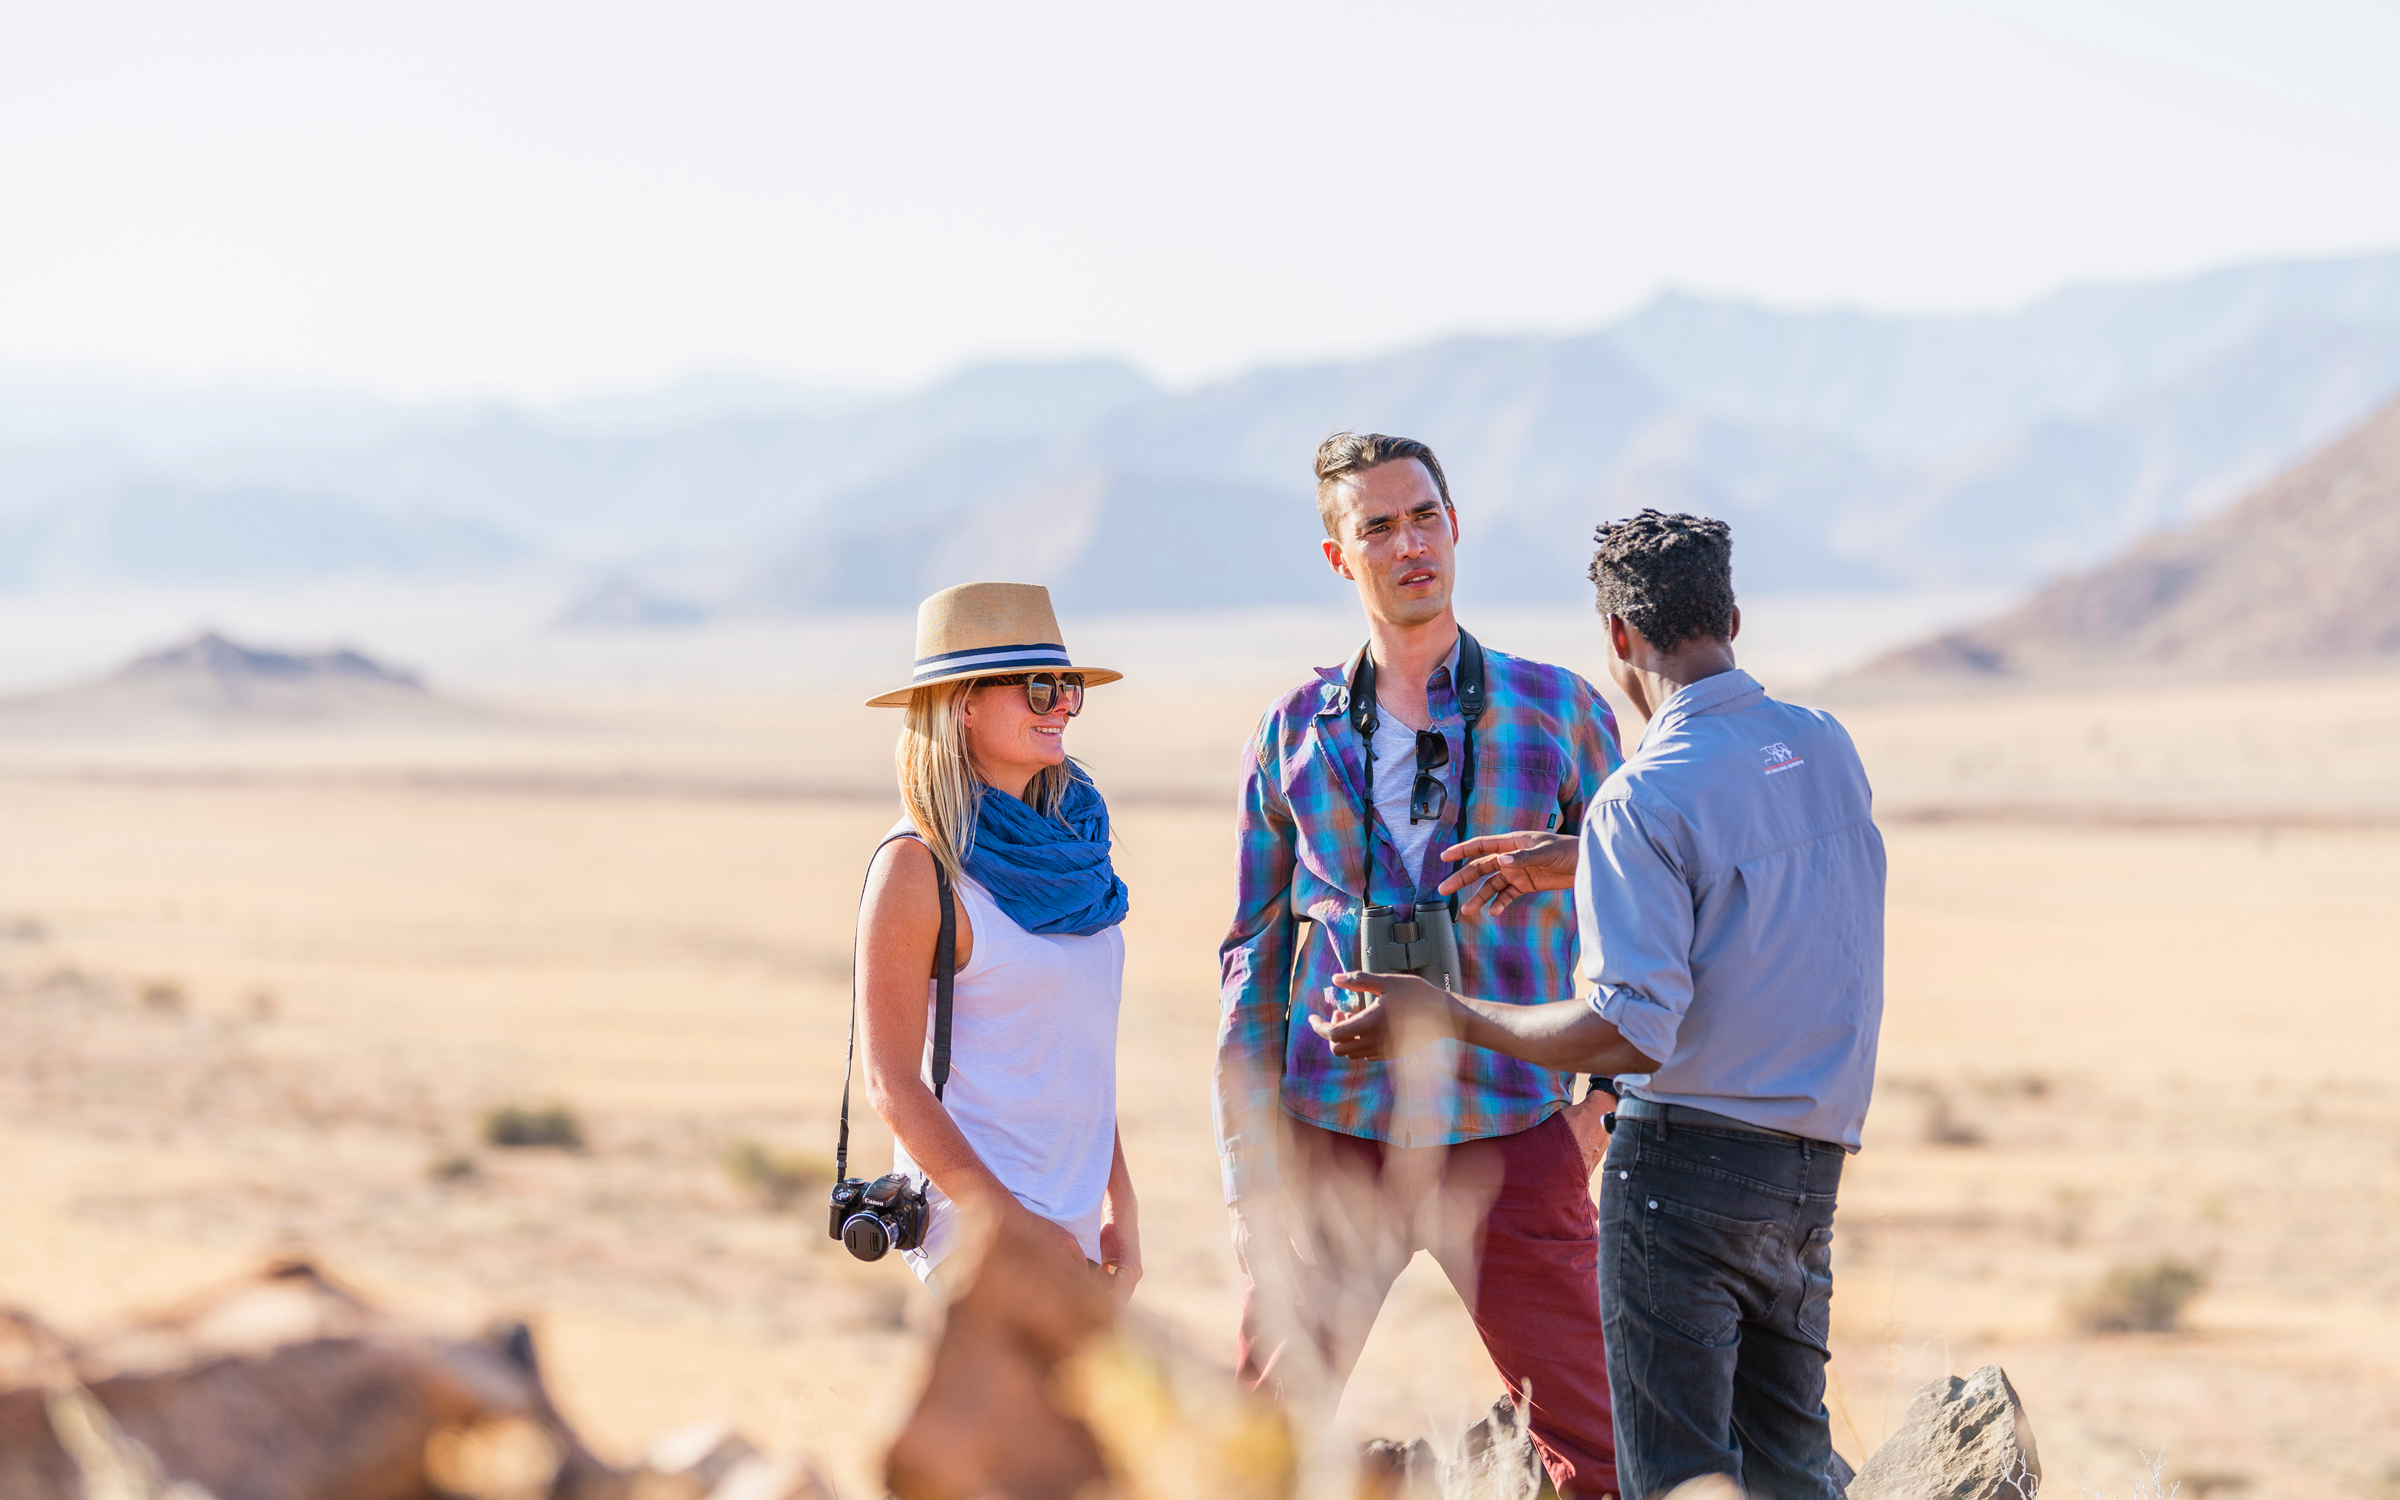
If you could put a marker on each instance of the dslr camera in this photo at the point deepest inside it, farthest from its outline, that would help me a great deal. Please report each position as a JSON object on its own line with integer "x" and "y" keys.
{"x": 872, "y": 1219}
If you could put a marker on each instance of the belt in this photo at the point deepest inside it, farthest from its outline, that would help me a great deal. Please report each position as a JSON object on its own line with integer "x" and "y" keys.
{"x": 1672, "y": 1115}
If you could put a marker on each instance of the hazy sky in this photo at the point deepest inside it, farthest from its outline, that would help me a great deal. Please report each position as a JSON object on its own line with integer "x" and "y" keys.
{"x": 539, "y": 199}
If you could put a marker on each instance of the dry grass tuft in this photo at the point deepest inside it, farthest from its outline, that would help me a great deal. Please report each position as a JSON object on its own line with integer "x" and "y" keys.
{"x": 2145, "y": 1297}
{"x": 777, "y": 1179}
{"x": 516, "y": 1126}
{"x": 1943, "y": 1127}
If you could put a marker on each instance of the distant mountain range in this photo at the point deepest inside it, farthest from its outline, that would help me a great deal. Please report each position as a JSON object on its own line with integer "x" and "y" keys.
{"x": 1851, "y": 451}
{"x": 211, "y": 685}
{"x": 2301, "y": 575}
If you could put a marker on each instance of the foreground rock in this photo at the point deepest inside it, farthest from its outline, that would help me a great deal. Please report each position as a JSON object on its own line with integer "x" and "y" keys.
{"x": 1495, "y": 1459}
{"x": 289, "y": 1387}
{"x": 1961, "y": 1440}
{"x": 1038, "y": 1392}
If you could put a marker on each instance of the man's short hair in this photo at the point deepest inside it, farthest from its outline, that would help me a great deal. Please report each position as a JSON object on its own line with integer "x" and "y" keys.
{"x": 1348, "y": 453}
{"x": 1668, "y": 576}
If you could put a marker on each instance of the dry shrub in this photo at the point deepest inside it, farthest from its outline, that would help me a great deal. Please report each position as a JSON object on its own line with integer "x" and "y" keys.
{"x": 2009, "y": 1087}
{"x": 451, "y": 1167}
{"x": 1944, "y": 1128}
{"x": 164, "y": 997}
{"x": 515, "y": 1126}
{"x": 2146, "y": 1297}
{"x": 777, "y": 1179}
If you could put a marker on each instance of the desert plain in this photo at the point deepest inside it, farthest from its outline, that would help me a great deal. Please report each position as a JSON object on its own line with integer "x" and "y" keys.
{"x": 258, "y": 992}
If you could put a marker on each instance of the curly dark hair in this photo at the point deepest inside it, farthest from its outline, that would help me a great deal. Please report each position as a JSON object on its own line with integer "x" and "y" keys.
{"x": 1668, "y": 576}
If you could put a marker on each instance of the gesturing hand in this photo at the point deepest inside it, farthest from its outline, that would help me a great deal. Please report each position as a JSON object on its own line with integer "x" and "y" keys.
{"x": 1511, "y": 865}
{"x": 1402, "y": 1014}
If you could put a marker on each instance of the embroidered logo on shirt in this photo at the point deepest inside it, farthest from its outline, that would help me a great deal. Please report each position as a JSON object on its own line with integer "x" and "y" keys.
{"x": 1780, "y": 757}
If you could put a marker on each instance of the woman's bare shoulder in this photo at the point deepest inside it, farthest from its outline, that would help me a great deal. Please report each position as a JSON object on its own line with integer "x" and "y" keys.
{"x": 901, "y": 876}
{"x": 902, "y": 892}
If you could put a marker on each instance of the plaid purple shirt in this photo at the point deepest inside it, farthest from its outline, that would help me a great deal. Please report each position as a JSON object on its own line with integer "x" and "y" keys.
{"x": 1543, "y": 745}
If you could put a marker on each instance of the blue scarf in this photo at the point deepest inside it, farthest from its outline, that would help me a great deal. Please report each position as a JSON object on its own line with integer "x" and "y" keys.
{"x": 1048, "y": 877}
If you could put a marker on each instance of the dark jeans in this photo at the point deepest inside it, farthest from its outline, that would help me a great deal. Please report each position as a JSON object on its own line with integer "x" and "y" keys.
{"x": 1716, "y": 1279}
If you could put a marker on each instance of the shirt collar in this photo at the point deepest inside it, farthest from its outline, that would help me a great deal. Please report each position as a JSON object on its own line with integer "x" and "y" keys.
{"x": 1336, "y": 681}
{"x": 1444, "y": 675}
{"x": 1711, "y": 695}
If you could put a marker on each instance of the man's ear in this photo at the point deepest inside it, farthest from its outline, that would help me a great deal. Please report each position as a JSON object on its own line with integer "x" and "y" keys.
{"x": 1735, "y": 632}
{"x": 1452, "y": 512}
{"x": 1335, "y": 560}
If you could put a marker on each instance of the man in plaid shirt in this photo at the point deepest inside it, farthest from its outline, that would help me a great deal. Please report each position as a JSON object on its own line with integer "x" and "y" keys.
{"x": 1338, "y": 1172}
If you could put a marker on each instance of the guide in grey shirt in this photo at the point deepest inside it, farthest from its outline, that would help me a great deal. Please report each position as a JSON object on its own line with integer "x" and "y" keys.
{"x": 1730, "y": 892}
{"x": 1729, "y": 889}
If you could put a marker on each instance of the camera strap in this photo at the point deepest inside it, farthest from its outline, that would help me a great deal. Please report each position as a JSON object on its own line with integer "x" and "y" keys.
{"x": 945, "y": 982}
{"x": 1366, "y": 717}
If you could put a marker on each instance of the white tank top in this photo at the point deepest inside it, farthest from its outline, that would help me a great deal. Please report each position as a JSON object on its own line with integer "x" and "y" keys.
{"x": 1033, "y": 1071}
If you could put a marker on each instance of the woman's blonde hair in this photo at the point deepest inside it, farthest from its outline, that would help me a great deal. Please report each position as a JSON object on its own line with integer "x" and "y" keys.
{"x": 938, "y": 784}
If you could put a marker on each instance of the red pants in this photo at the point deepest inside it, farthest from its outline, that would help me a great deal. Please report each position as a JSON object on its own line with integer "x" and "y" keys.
{"x": 1510, "y": 1220}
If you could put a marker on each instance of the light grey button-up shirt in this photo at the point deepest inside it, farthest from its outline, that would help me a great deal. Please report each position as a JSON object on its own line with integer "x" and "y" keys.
{"x": 1731, "y": 902}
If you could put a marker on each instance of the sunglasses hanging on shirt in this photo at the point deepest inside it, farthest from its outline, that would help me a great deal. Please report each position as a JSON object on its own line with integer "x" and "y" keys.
{"x": 1429, "y": 796}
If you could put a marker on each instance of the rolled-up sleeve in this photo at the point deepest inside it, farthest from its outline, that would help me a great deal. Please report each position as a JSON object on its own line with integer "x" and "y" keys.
{"x": 1633, "y": 909}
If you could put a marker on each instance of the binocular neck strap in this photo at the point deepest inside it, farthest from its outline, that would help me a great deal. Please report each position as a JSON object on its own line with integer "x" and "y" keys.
{"x": 945, "y": 982}
{"x": 1471, "y": 699}
{"x": 1366, "y": 716}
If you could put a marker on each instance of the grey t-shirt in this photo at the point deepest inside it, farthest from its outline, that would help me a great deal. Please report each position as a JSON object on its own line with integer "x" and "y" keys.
{"x": 1730, "y": 902}
{"x": 1395, "y": 784}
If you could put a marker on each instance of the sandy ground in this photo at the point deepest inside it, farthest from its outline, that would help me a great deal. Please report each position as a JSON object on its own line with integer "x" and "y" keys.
{"x": 2142, "y": 1003}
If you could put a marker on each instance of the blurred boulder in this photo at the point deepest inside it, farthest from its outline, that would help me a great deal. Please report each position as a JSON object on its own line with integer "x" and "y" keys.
{"x": 1038, "y": 1391}
{"x": 1495, "y": 1459}
{"x": 1398, "y": 1471}
{"x": 1961, "y": 1440}
{"x": 989, "y": 1421}
{"x": 288, "y": 1386}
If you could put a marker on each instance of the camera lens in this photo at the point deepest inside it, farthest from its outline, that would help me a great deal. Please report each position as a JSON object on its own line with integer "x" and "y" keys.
{"x": 866, "y": 1237}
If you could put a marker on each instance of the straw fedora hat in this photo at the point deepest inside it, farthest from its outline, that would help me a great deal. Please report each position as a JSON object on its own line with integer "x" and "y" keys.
{"x": 987, "y": 630}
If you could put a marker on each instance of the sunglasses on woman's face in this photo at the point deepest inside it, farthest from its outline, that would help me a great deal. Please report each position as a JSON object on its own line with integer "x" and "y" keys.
{"x": 1047, "y": 692}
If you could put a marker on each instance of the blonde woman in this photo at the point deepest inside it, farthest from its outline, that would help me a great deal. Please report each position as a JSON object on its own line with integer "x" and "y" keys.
{"x": 1025, "y": 1126}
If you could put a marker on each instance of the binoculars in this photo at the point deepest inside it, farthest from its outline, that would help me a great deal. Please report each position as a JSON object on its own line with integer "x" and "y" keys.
{"x": 1425, "y": 943}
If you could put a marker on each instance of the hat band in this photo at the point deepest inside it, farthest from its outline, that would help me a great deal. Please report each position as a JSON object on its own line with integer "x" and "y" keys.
{"x": 1024, "y": 658}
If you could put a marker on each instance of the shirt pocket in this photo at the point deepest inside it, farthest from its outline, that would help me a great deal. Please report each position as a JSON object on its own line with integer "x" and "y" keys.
{"x": 1516, "y": 788}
